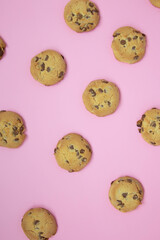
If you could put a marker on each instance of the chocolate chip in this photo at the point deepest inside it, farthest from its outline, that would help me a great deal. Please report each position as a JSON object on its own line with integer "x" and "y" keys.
{"x": 77, "y": 23}
{"x": 42, "y": 67}
{"x": 133, "y": 48}
{"x": 18, "y": 120}
{"x": 135, "y": 197}
{"x": 143, "y": 35}
{"x": 21, "y": 129}
{"x": 92, "y": 92}
{"x": 109, "y": 103}
{"x": 141, "y": 38}
{"x": 136, "y": 31}
{"x": 135, "y": 37}
{"x": 29, "y": 213}
{"x": 1, "y": 52}
{"x": 136, "y": 57}
{"x": 36, "y": 222}
{"x": 5, "y": 140}
{"x": 46, "y": 58}
{"x": 140, "y": 192}
{"x": 61, "y": 74}
{"x": 139, "y": 123}
{"x": 129, "y": 180}
{"x": 36, "y": 59}
{"x": 91, "y": 4}
{"x": 84, "y": 159}
{"x": 143, "y": 117}
{"x": 104, "y": 81}
{"x": 71, "y": 170}
{"x": 15, "y": 131}
{"x": 48, "y": 69}
{"x": 67, "y": 161}
{"x": 90, "y": 23}
{"x": 121, "y": 180}
{"x": 112, "y": 182}
{"x": 82, "y": 151}
{"x": 16, "y": 139}
{"x": 55, "y": 150}
{"x": 83, "y": 29}
{"x": 88, "y": 10}
{"x": 0, "y": 134}
{"x": 73, "y": 14}
{"x": 153, "y": 124}
{"x": 124, "y": 195}
{"x": 153, "y": 143}
{"x": 88, "y": 147}
{"x": 120, "y": 203}
{"x": 70, "y": 18}
{"x": 100, "y": 90}
{"x": 96, "y": 106}
{"x": 79, "y": 157}
{"x": 129, "y": 39}
{"x": 3, "y": 111}
{"x": 62, "y": 56}
{"x": 139, "y": 130}
{"x": 79, "y": 16}
{"x": 123, "y": 42}
{"x": 116, "y": 34}
{"x": 142, "y": 129}
{"x": 71, "y": 147}
{"x": 95, "y": 10}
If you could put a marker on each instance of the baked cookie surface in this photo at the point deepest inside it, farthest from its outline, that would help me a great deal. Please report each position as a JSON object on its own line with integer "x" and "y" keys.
{"x": 128, "y": 45}
{"x": 2, "y": 47}
{"x": 73, "y": 152}
{"x": 12, "y": 129}
{"x": 81, "y": 15}
{"x": 149, "y": 126}
{"x": 126, "y": 193}
{"x": 101, "y": 97}
{"x": 48, "y": 67}
{"x": 155, "y": 3}
{"x": 39, "y": 224}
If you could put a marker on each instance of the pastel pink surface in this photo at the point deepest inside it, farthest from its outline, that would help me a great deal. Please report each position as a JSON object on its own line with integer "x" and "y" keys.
{"x": 29, "y": 175}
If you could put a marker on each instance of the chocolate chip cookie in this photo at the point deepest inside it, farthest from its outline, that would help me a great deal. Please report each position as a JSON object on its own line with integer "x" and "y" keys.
{"x": 81, "y": 15}
{"x": 155, "y": 3}
{"x": 128, "y": 45}
{"x": 2, "y": 47}
{"x": 73, "y": 152}
{"x": 12, "y": 129}
{"x": 101, "y": 97}
{"x": 48, "y": 67}
{"x": 39, "y": 224}
{"x": 149, "y": 126}
{"x": 126, "y": 194}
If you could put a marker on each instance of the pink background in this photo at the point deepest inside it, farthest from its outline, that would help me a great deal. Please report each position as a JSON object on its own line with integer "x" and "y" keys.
{"x": 29, "y": 175}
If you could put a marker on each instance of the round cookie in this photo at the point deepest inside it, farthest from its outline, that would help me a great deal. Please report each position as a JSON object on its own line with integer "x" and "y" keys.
{"x": 101, "y": 97}
{"x": 155, "y": 3}
{"x": 73, "y": 152}
{"x": 48, "y": 67}
{"x": 81, "y": 15}
{"x": 128, "y": 45}
{"x": 149, "y": 126}
{"x": 126, "y": 193}
{"x": 39, "y": 224}
{"x": 2, "y": 47}
{"x": 12, "y": 129}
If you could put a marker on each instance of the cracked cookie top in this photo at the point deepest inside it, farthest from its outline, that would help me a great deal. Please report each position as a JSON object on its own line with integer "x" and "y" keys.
{"x": 126, "y": 193}
{"x": 81, "y": 15}
{"x": 39, "y": 224}
{"x": 128, "y": 45}
{"x": 149, "y": 126}
{"x": 48, "y": 67}
{"x": 73, "y": 152}
{"x": 101, "y": 97}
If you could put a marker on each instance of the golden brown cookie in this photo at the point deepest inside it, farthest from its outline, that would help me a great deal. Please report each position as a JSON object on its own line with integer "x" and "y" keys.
{"x": 2, "y": 47}
{"x": 81, "y": 15}
{"x": 39, "y": 224}
{"x": 149, "y": 126}
{"x": 126, "y": 193}
{"x": 48, "y": 67}
{"x": 73, "y": 152}
{"x": 101, "y": 97}
{"x": 155, "y": 3}
{"x": 128, "y": 45}
{"x": 12, "y": 129}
